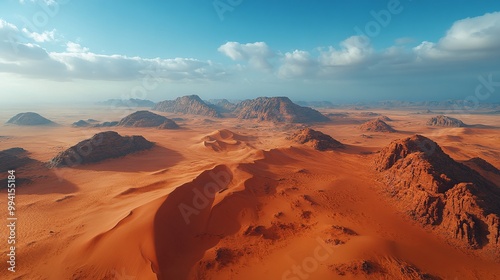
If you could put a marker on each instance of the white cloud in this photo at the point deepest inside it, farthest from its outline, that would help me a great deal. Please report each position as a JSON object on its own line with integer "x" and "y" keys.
{"x": 257, "y": 54}
{"x": 78, "y": 62}
{"x": 354, "y": 50}
{"x": 73, "y": 47}
{"x": 46, "y": 36}
{"x": 467, "y": 39}
{"x": 297, "y": 64}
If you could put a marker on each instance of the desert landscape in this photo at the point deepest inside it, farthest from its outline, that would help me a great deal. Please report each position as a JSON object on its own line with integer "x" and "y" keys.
{"x": 245, "y": 139}
{"x": 270, "y": 190}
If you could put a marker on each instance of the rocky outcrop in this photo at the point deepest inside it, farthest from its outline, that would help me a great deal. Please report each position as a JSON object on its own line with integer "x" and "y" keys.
{"x": 445, "y": 121}
{"x": 147, "y": 119}
{"x": 438, "y": 191}
{"x": 29, "y": 119}
{"x": 277, "y": 109}
{"x": 190, "y": 104}
{"x": 377, "y": 125}
{"x": 13, "y": 158}
{"x": 101, "y": 146}
{"x": 317, "y": 139}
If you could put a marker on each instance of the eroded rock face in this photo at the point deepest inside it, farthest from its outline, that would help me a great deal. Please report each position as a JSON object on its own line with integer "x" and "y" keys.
{"x": 101, "y": 146}
{"x": 377, "y": 125}
{"x": 436, "y": 190}
{"x": 445, "y": 122}
{"x": 29, "y": 119}
{"x": 147, "y": 119}
{"x": 277, "y": 109}
{"x": 317, "y": 139}
{"x": 190, "y": 104}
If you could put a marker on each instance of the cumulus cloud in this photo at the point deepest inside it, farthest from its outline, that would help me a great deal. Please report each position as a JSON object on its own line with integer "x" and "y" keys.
{"x": 257, "y": 54}
{"x": 46, "y": 36}
{"x": 78, "y": 62}
{"x": 297, "y": 64}
{"x": 469, "y": 38}
{"x": 354, "y": 50}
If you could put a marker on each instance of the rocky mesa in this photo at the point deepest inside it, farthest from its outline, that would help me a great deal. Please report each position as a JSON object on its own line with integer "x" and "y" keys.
{"x": 103, "y": 145}
{"x": 277, "y": 109}
{"x": 147, "y": 119}
{"x": 445, "y": 121}
{"x": 440, "y": 192}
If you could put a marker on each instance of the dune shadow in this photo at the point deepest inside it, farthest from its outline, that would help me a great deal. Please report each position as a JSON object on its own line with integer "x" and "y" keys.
{"x": 182, "y": 225}
{"x": 36, "y": 178}
{"x": 150, "y": 160}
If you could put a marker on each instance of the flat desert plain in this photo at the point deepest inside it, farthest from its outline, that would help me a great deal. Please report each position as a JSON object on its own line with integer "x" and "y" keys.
{"x": 223, "y": 198}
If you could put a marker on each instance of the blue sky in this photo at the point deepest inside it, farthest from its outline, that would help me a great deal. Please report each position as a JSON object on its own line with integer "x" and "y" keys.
{"x": 308, "y": 50}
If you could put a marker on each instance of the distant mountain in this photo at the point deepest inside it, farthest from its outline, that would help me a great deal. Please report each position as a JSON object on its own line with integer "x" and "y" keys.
{"x": 29, "y": 119}
{"x": 222, "y": 105}
{"x": 445, "y": 122}
{"x": 147, "y": 119}
{"x": 277, "y": 109}
{"x": 440, "y": 192}
{"x": 101, "y": 146}
{"x": 132, "y": 102}
{"x": 190, "y": 104}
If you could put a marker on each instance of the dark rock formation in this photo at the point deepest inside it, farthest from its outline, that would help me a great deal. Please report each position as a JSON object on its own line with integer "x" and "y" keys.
{"x": 436, "y": 190}
{"x": 13, "y": 158}
{"x": 445, "y": 122}
{"x": 147, "y": 119}
{"x": 277, "y": 109}
{"x": 190, "y": 104}
{"x": 29, "y": 118}
{"x": 101, "y": 146}
{"x": 377, "y": 125}
{"x": 318, "y": 140}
